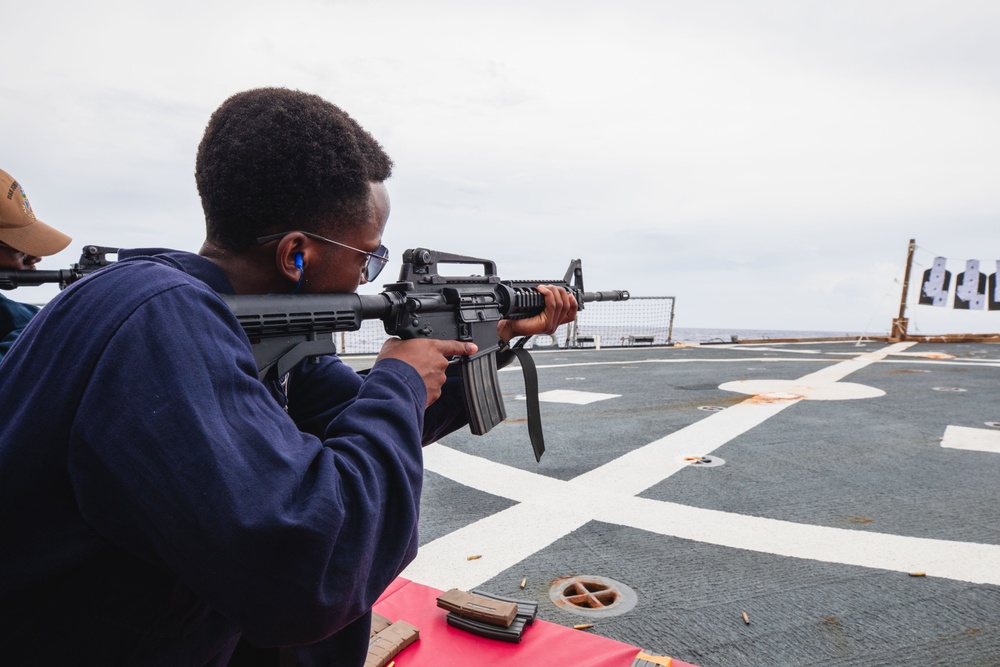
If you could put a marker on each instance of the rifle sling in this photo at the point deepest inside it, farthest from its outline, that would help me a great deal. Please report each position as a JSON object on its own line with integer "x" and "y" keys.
{"x": 531, "y": 398}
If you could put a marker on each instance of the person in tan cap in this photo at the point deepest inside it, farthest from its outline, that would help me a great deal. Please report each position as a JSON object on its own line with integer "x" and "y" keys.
{"x": 24, "y": 240}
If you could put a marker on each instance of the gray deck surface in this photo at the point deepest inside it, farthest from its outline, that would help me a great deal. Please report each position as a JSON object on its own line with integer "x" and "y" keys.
{"x": 812, "y": 525}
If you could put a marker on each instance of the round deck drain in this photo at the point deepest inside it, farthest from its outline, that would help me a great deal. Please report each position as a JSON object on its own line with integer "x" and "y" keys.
{"x": 596, "y": 597}
{"x": 949, "y": 389}
{"x": 711, "y": 408}
{"x": 703, "y": 461}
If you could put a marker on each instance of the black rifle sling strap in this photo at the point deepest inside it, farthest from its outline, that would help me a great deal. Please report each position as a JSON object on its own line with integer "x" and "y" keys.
{"x": 531, "y": 397}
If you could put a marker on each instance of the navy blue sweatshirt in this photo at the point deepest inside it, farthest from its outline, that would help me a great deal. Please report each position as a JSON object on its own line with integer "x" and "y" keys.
{"x": 14, "y": 317}
{"x": 157, "y": 501}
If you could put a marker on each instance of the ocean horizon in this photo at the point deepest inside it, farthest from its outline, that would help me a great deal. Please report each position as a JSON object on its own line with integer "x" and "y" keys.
{"x": 718, "y": 335}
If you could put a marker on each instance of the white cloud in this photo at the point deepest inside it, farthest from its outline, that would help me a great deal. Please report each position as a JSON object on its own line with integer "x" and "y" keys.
{"x": 714, "y": 151}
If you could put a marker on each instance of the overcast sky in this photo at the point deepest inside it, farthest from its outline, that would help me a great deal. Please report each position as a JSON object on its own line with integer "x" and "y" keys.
{"x": 766, "y": 162}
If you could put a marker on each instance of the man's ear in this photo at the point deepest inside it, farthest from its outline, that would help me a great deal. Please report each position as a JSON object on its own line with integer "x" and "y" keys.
{"x": 291, "y": 257}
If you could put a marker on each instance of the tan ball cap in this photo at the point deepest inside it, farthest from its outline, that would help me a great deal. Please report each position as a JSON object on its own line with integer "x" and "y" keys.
{"x": 19, "y": 228}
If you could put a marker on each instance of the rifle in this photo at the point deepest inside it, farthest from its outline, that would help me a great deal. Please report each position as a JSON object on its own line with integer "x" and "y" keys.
{"x": 92, "y": 258}
{"x": 284, "y": 330}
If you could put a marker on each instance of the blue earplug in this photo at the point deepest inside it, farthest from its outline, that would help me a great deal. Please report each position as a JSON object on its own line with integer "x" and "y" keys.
{"x": 298, "y": 265}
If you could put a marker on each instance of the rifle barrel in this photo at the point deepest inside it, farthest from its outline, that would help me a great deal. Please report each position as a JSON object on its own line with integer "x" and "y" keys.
{"x": 611, "y": 295}
{"x": 19, "y": 278}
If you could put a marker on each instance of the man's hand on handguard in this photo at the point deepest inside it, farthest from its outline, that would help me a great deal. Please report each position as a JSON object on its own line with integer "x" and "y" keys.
{"x": 560, "y": 308}
{"x": 428, "y": 356}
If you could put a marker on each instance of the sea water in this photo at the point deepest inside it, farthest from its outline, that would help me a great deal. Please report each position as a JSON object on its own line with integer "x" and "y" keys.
{"x": 698, "y": 335}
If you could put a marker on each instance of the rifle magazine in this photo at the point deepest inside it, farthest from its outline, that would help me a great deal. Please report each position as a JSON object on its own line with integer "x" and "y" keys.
{"x": 481, "y": 391}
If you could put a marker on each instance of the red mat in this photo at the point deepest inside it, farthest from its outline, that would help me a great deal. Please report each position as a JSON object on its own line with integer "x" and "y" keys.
{"x": 543, "y": 643}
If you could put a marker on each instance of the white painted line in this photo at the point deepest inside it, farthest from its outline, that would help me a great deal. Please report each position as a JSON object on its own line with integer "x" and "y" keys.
{"x": 961, "y": 561}
{"x": 571, "y": 396}
{"x": 501, "y": 541}
{"x": 743, "y": 360}
{"x": 784, "y": 351}
{"x": 840, "y": 370}
{"x": 641, "y": 468}
{"x": 712, "y": 360}
{"x": 549, "y": 509}
{"x": 974, "y": 439}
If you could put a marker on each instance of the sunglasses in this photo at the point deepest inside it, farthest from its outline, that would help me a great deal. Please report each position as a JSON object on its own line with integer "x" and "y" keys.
{"x": 373, "y": 265}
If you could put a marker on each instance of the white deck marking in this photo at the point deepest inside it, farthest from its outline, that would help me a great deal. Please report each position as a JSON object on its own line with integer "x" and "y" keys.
{"x": 784, "y": 351}
{"x": 975, "y": 439}
{"x": 571, "y": 396}
{"x": 836, "y": 391}
{"x": 914, "y": 359}
{"x": 549, "y": 509}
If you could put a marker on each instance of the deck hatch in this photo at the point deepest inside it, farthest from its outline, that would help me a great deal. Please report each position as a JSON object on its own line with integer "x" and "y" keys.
{"x": 589, "y": 595}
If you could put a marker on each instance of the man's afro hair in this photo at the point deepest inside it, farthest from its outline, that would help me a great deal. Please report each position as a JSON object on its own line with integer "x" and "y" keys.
{"x": 274, "y": 159}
